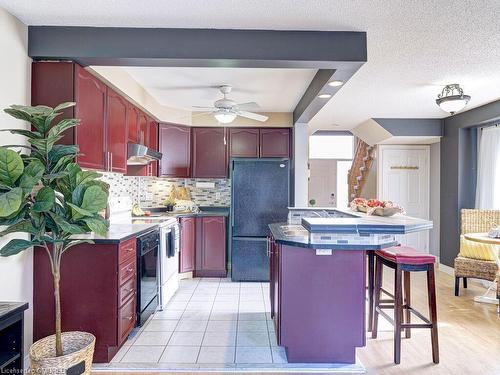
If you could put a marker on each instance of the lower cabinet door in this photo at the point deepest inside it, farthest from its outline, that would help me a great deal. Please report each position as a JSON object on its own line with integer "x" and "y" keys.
{"x": 126, "y": 319}
{"x": 187, "y": 252}
{"x": 211, "y": 246}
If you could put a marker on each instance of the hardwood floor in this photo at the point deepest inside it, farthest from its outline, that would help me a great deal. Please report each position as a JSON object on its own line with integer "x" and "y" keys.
{"x": 469, "y": 335}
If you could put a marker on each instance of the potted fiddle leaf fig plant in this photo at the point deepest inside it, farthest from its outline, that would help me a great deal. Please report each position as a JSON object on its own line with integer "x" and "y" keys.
{"x": 45, "y": 194}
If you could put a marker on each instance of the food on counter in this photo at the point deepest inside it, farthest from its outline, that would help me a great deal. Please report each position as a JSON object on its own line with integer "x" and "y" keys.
{"x": 375, "y": 207}
{"x": 137, "y": 211}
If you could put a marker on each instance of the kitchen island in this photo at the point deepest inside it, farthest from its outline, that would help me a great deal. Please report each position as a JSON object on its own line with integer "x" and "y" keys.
{"x": 318, "y": 280}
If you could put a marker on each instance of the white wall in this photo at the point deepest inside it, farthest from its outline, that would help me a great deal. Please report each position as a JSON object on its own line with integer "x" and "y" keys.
{"x": 16, "y": 273}
{"x": 434, "y": 197}
{"x": 301, "y": 159}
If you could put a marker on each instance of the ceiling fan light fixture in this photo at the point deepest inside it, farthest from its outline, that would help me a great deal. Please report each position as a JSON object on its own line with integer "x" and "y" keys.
{"x": 452, "y": 99}
{"x": 224, "y": 116}
{"x": 335, "y": 83}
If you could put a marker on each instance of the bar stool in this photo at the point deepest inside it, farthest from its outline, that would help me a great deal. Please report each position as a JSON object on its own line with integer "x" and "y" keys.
{"x": 405, "y": 260}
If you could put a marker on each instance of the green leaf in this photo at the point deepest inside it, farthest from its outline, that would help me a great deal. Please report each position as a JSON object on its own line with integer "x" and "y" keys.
{"x": 32, "y": 174}
{"x": 16, "y": 216}
{"x": 97, "y": 225}
{"x": 85, "y": 177}
{"x": 53, "y": 176}
{"x": 11, "y": 166}
{"x": 10, "y": 202}
{"x": 66, "y": 226}
{"x": 14, "y": 247}
{"x": 73, "y": 170}
{"x": 44, "y": 145}
{"x": 63, "y": 125}
{"x": 64, "y": 105}
{"x": 78, "y": 212}
{"x": 45, "y": 200}
{"x": 62, "y": 163}
{"x": 23, "y": 226}
{"x": 94, "y": 199}
{"x": 58, "y": 151}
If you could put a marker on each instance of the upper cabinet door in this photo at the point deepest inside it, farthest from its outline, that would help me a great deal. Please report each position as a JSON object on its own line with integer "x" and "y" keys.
{"x": 275, "y": 143}
{"x": 209, "y": 153}
{"x": 175, "y": 146}
{"x": 117, "y": 132}
{"x": 244, "y": 142}
{"x": 153, "y": 143}
{"x": 142, "y": 128}
{"x": 90, "y": 96}
{"x": 132, "y": 123}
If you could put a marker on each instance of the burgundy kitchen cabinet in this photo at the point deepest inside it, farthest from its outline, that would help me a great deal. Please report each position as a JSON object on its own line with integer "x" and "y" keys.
{"x": 187, "y": 244}
{"x": 142, "y": 128}
{"x": 209, "y": 153}
{"x": 175, "y": 146}
{"x": 53, "y": 83}
{"x": 244, "y": 142}
{"x": 275, "y": 143}
{"x": 210, "y": 246}
{"x": 152, "y": 143}
{"x": 274, "y": 282}
{"x": 117, "y": 132}
{"x": 98, "y": 294}
{"x": 57, "y": 82}
{"x": 90, "y": 94}
{"x": 132, "y": 123}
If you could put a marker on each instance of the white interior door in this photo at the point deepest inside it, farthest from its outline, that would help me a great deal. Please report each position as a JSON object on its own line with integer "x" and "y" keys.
{"x": 323, "y": 181}
{"x": 403, "y": 177}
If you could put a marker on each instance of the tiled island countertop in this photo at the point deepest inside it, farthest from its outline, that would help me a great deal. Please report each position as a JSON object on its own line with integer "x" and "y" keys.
{"x": 117, "y": 233}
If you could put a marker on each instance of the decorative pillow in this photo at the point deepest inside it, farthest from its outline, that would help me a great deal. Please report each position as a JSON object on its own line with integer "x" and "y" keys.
{"x": 476, "y": 250}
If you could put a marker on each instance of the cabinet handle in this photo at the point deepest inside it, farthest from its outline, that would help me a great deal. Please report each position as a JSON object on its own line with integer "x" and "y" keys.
{"x": 110, "y": 161}
{"x": 130, "y": 269}
{"x": 129, "y": 317}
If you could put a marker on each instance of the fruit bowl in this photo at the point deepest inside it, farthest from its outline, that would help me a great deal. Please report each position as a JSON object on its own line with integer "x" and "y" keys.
{"x": 375, "y": 207}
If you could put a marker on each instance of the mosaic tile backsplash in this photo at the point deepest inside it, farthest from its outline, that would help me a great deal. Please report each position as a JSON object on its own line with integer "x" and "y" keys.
{"x": 152, "y": 191}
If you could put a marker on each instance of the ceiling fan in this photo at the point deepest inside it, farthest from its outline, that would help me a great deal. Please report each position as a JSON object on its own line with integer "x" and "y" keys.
{"x": 226, "y": 110}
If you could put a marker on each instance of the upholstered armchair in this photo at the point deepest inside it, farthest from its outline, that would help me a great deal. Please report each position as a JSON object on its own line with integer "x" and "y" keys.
{"x": 476, "y": 263}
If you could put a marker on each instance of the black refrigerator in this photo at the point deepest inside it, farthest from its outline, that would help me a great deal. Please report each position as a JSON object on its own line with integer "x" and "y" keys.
{"x": 260, "y": 195}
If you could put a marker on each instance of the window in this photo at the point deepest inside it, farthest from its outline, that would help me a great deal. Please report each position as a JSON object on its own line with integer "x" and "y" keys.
{"x": 331, "y": 146}
{"x": 488, "y": 169}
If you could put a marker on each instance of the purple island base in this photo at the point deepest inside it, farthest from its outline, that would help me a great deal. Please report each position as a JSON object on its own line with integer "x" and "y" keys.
{"x": 320, "y": 304}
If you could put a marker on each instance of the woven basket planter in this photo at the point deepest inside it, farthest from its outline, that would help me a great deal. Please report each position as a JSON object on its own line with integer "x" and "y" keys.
{"x": 77, "y": 347}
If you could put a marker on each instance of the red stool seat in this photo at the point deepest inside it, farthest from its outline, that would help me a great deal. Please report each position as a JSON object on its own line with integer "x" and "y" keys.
{"x": 405, "y": 255}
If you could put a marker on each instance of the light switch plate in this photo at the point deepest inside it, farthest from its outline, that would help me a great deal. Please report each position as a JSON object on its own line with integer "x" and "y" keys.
{"x": 206, "y": 185}
{"x": 324, "y": 251}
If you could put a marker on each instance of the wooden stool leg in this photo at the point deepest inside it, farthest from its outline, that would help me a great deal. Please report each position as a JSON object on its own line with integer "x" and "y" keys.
{"x": 465, "y": 283}
{"x": 398, "y": 313}
{"x": 457, "y": 286}
{"x": 431, "y": 290}
{"x": 378, "y": 286}
{"x": 371, "y": 276}
{"x": 407, "y": 302}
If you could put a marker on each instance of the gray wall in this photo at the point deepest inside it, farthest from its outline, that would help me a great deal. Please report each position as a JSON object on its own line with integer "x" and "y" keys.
{"x": 434, "y": 212}
{"x": 458, "y": 172}
{"x": 411, "y": 127}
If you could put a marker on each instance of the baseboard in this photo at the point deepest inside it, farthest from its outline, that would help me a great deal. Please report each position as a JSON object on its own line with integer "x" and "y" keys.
{"x": 446, "y": 269}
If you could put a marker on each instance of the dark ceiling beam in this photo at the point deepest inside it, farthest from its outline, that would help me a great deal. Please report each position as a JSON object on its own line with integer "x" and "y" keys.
{"x": 338, "y": 53}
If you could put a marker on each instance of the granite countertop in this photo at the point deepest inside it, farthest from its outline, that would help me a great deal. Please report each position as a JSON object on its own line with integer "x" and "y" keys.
{"x": 118, "y": 233}
{"x": 302, "y": 239}
{"x": 204, "y": 211}
{"x": 367, "y": 224}
{"x": 8, "y": 309}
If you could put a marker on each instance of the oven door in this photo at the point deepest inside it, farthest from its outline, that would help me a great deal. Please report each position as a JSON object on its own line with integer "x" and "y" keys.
{"x": 148, "y": 279}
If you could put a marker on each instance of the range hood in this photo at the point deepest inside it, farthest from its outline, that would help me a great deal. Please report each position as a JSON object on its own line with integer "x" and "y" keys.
{"x": 138, "y": 154}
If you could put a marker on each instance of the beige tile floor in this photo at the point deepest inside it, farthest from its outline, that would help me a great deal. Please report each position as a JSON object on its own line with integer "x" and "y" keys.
{"x": 209, "y": 323}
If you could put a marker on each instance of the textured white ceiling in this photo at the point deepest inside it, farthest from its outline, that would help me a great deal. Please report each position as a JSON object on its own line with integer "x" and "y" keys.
{"x": 414, "y": 47}
{"x": 275, "y": 90}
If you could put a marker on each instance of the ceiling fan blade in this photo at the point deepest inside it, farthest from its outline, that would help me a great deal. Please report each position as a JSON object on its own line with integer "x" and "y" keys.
{"x": 248, "y": 105}
{"x": 253, "y": 116}
{"x": 202, "y": 107}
